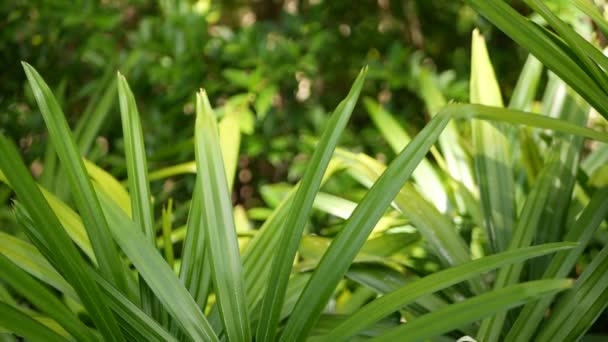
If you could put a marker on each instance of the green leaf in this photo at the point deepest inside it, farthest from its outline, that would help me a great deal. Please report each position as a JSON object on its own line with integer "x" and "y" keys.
{"x": 59, "y": 249}
{"x": 434, "y": 226}
{"x": 129, "y": 316}
{"x": 82, "y": 190}
{"x": 230, "y": 140}
{"x": 397, "y": 299}
{"x": 582, "y": 231}
{"x": 491, "y": 152}
{"x": 545, "y": 210}
{"x": 552, "y": 52}
{"x": 157, "y": 274}
{"x": 345, "y": 246}
{"x": 425, "y": 175}
{"x": 384, "y": 279}
{"x": 29, "y": 258}
{"x": 43, "y": 299}
{"x": 458, "y": 161}
{"x": 137, "y": 165}
{"x": 351, "y": 238}
{"x": 102, "y": 104}
{"x": 137, "y": 174}
{"x": 527, "y": 84}
{"x": 579, "y": 308}
{"x": 456, "y": 315}
{"x": 300, "y": 209}
{"x": 195, "y": 268}
{"x": 111, "y": 186}
{"x": 70, "y": 221}
{"x": 167, "y": 217}
{"x": 471, "y": 111}
{"x": 585, "y": 51}
{"x": 25, "y": 326}
{"x": 257, "y": 257}
{"x": 170, "y": 171}
{"x": 591, "y": 10}
{"x": 219, "y": 225}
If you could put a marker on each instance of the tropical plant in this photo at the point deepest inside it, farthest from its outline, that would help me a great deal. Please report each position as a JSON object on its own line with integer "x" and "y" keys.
{"x": 423, "y": 252}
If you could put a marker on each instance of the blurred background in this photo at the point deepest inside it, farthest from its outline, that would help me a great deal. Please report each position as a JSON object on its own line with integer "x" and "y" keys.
{"x": 282, "y": 65}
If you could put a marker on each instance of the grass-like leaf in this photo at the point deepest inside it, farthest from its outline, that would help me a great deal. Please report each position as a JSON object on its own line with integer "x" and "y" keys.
{"x": 61, "y": 252}
{"x": 588, "y": 54}
{"x": 131, "y": 319}
{"x": 395, "y": 300}
{"x": 157, "y": 274}
{"x": 25, "y": 326}
{"x": 43, "y": 299}
{"x": 457, "y": 160}
{"x": 194, "y": 270}
{"x": 527, "y": 84}
{"x": 576, "y": 311}
{"x": 29, "y": 259}
{"x": 137, "y": 165}
{"x": 434, "y": 226}
{"x": 137, "y": 174}
{"x": 301, "y": 206}
{"x": 591, "y": 10}
{"x": 345, "y": 246}
{"x": 219, "y": 225}
{"x": 425, "y": 175}
{"x": 83, "y": 193}
{"x": 550, "y": 51}
{"x": 456, "y": 315}
{"x": 562, "y": 263}
{"x": 492, "y": 157}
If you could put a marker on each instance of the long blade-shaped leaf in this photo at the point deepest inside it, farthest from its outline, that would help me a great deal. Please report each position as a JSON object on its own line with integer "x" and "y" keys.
{"x": 139, "y": 186}
{"x": 527, "y": 84}
{"x": 137, "y": 165}
{"x": 43, "y": 299}
{"x": 561, "y": 264}
{"x": 456, "y": 315}
{"x": 436, "y": 228}
{"x": 230, "y": 140}
{"x": 492, "y": 157}
{"x": 86, "y": 201}
{"x": 585, "y": 51}
{"x": 61, "y": 251}
{"x": 554, "y": 55}
{"x": 470, "y": 111}
{"x": 576, "y": 311}
{"x": 29, "y": 259}
{"x": 345, "y": 246}
{"x": 457, "y": 160}
{"x": 25, "y": 326}
{"x": 552, "y": 227}
{"x": 395, "y": 300}
{"x": 301, "y": 206}
{"x": 193, "y": 271}
{"x": 592, "y": 12}
{"x": 425, "y": 175}
{"x": 219, "y": 224}
{"x": 545, "y": 209}
{"x": 131, "y": 319}
{"x": 157, "y": 274}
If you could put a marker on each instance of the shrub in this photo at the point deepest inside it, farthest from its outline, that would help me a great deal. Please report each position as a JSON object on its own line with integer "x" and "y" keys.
{"x": 505, "y": 201}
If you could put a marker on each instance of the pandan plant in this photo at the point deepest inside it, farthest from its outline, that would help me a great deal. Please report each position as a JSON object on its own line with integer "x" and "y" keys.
{"x": 89, "y": 267}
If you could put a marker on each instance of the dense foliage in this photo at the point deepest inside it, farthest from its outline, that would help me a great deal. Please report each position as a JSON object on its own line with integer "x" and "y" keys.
{"x": 377, "y": 164}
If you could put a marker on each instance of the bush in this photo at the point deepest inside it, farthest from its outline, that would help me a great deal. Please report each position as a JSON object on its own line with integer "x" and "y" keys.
{"x": 495, "y": 193}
